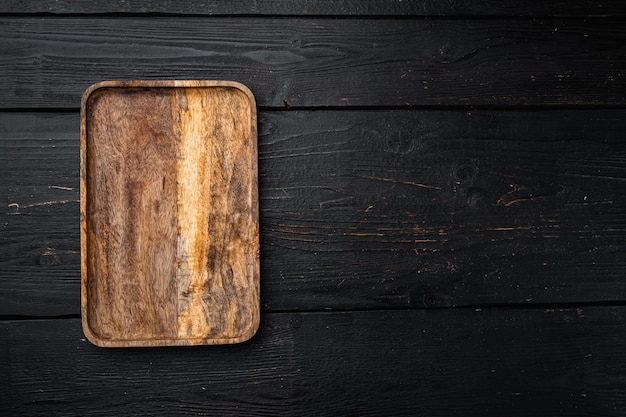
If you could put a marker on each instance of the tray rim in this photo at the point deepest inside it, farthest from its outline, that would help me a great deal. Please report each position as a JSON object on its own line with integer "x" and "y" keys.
{"x": 129, "y": 84}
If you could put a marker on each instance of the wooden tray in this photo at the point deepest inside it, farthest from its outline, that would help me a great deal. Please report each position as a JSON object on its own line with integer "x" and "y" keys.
{"x": 169, "y": 213}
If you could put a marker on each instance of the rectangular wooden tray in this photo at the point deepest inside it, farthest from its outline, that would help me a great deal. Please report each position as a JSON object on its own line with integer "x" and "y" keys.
{"x": 169, "y": 213}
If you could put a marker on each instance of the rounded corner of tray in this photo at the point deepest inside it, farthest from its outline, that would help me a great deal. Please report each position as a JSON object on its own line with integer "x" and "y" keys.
{"x": 90, "y": 334}
{"x": 245, "y": 90}
{"x": 97, "y": 86}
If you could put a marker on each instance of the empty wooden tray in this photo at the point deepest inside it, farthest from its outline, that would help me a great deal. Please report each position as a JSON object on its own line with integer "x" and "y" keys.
{"x": 169, "y": 213}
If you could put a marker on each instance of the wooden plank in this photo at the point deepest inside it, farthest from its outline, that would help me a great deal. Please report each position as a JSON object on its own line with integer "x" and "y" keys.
{"x": 48, "y": 62}
{"x": 169, "y": 213}
{"x": 578, "y": 8}
{"x": 370, "y": 209}
{"x": 443, "y": 209}
{"x": 418, "y": 362}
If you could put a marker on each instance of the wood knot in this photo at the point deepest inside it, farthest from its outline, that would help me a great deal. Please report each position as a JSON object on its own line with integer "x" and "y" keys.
{"x": 447, "y": 52}
{"x": 429, "y": 300}
{"x": 465, "y": 172}
{"x": 401, "y": 136}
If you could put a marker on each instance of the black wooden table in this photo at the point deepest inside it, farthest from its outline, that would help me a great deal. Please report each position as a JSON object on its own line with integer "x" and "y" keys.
{"x": 442, "y": 195}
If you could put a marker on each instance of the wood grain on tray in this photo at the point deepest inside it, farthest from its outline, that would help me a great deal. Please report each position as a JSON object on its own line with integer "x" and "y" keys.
{"x": 169, "y": 213}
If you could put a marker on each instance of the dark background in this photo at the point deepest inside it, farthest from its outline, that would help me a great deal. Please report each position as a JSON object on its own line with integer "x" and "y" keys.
{"x": 442, "y": 194}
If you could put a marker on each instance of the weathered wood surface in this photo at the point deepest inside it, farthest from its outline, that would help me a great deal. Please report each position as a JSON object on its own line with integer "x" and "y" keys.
{"x": 514, "y": 362}
{"x": 577, "y": 8}
{"x": 379, "y": 208}
{"x": 169, "y": 214}
{"x": 48, "y": 62}
{"x": 473, "y": 155}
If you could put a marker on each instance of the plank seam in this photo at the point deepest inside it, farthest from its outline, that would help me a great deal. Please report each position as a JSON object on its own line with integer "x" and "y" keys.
{"x": 152, "y": 15}
{"x": 475, "y": 307}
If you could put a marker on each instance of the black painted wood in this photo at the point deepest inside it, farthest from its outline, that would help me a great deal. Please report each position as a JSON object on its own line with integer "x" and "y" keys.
{"x": 40, "y": 252}
{"x": 578, "y": 8}
{"x": 520, "y": 362}
{"x": 48, "y": 62}
{"x": 370, "y": 209}
{"x": 473, "y": 155}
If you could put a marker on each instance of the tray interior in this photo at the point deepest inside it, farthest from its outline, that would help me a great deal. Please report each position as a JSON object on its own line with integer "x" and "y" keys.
{"x": 169, "y": 214}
